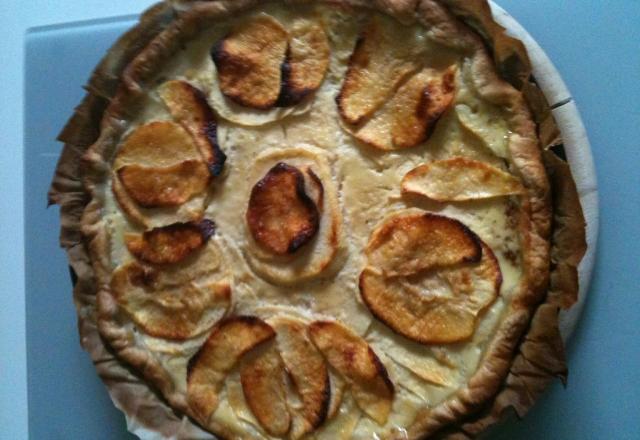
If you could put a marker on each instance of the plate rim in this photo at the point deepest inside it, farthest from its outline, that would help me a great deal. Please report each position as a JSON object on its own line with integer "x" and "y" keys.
{"x": 577, "y": 148}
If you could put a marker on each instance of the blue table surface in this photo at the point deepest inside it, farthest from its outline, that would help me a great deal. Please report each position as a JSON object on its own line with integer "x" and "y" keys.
{"x": 596, "y": 48}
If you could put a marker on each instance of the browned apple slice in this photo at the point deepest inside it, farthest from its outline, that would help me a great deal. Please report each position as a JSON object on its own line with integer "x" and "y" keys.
{"x": 409, "y": 117}
{"x": 415, "y": 242}
{"x": 153, "y": 187}
{"x": 281, "y": 216}
{"x": 157, "y": 144}
{"x": 376, "y": 68}
{"x": 307, "y": 370}
{"x": 435, "y": 308}
{"x": 249, "y": 62}
{"x": 263, "y": 383}
{"x": 158, "y": 164}
{"x": 170, "y": 244}
{"x": 306, "y": 63}
{"x": 189, "y": 107}
{"x": 422, "y": 101}
{"x": 321, "y": 253}
{"x": 352, "y": 357}
{"x": 203, "y": 263}
{"x": 405, "y": 311}
{"x": 175, "y": 313}
{"x": 207, "y": 369}
{"x": 459, "y": 179}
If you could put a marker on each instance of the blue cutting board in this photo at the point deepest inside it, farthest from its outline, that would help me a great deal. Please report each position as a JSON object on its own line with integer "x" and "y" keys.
{"x": 66, "y": 399}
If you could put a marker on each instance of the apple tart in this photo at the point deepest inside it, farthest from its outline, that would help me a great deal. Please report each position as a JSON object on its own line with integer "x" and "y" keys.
{"x": 320, "y": 219}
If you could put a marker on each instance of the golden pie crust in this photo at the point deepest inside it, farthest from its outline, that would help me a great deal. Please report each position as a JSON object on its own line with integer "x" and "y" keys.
{"x": 391, "y": 304}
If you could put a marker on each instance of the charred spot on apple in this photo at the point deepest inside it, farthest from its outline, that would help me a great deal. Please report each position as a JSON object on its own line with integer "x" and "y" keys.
{"x": 281, "y": 216}
{"x": 170, "y": 244}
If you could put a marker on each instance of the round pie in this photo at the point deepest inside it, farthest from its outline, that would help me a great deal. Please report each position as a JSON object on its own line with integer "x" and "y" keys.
{"x": 322, "y": 219}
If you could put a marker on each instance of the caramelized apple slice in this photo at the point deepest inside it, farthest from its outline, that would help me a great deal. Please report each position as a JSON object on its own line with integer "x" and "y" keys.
{"x": 249, "y": 61}
{"x": 437, "y": 307}
{"x": 307, "y": 370}
{"x": 281, "y": 216}
{"x": 157, "y": 144}
{"x": 189, "y": 107}
{"x": 376, "y": 68}
{"x": 168, "y": 186}
{"x": 419, "y": 105}
{"x": 435, "y": 321}
{"x": 352, "y": 357}
{"x": 173, "y": 171}
{"x": 205, "y": 262}
{"x": 322, "y": 252}
{"x": 409, "y": 117}
{"x": 207, "y": 369}
{"x": 306, "y": 62}
{"x": 415, "y": 242}
{"x": 175, "y": 313}
{"x": 459, "y": 179}
{"x": 263, "y": 383}
{"x": 170, "y": 244}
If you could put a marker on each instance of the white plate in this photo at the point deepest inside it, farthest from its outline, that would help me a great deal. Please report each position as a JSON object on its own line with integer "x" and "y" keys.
{"x": 577, "y": 148}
